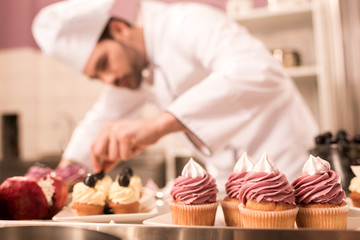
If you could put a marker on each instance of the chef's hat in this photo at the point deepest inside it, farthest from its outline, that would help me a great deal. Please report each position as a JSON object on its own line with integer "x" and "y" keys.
{"x": 69, "y": 30}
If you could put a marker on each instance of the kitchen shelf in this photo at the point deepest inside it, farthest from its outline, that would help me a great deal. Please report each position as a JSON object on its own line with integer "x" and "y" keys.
{"x": 281, "y": 12}
{"x": 290, "y": 26}
{"x": 302, "y": 71}
{"x": 265, "y": 17}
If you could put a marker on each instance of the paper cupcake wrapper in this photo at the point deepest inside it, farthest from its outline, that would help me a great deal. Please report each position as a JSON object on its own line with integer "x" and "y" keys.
{"x": 355, "y": 198}
{"x": 356, "y": 202}
{"x": 231, "y": 213}
{"x": 124, "y": 208}
{"x": 268, "y": 219}
{"x": 323, "y": 218}
{"x": 83, "y": 209}
{"x": 195, "y": 215}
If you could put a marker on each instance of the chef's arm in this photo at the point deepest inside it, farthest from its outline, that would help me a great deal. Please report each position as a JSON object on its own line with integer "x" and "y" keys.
{"x": 167, "y": 123}
{"x": 113, "y": 104}
{"x": 121, "y": 140}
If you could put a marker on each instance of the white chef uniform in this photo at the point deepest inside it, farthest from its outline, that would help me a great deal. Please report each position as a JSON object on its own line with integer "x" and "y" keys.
{"x": 217, "y": 80}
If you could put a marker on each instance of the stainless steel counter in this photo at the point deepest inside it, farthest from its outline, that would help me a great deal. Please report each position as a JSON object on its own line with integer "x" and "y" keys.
{"x": 139, "y": 231}
{"x": 186, "y": 233}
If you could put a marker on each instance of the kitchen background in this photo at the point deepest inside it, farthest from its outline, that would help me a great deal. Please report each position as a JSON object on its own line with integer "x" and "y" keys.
{"x": 42, "y": 100}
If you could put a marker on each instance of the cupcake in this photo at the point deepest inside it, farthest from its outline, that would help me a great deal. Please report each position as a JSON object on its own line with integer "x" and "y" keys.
{"x": 355, "y": 187}
{"x": 320, "y": 197}
{"x": 86, "y": 199}
{"x": 230, "y": 204}
{"x": 193, "y": 197}
{"x": 267, "y": 198}
{"x": 125, "y": 192}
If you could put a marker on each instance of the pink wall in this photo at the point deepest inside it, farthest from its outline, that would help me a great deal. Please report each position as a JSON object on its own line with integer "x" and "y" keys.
{"x": 15, "y": 21}
{"x": 16, "y": 17}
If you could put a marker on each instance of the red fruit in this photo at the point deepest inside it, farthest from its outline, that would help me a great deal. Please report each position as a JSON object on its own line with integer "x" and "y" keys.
{"x": 60, "y": 196}
{"x": 22, "y": 198}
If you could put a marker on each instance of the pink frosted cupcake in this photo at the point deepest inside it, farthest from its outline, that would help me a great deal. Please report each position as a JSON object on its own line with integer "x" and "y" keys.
{"x": 230, "y": 204}
{"x": 193, "y": 197}
{"x": 267, "y": 198}
{"x": 320, "y": 197}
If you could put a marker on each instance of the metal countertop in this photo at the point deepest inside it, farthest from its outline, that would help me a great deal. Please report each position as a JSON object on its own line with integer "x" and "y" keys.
{"x": 140, "y": 231}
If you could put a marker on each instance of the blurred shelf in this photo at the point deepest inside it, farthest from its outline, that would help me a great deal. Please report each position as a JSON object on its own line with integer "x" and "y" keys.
{"x": 302, "y": 71}
{"x": 295, "y": 14}
{"x": 281, "y": 12}
{"x": 294, "y": 26}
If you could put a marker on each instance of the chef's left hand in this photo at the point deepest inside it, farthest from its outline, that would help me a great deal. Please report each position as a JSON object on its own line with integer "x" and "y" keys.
{"x": 121, "y": 140}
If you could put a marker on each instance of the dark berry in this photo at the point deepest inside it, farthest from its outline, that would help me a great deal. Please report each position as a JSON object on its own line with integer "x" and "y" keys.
{"x": 99, "y": 175}
{"x": 126, "y": 170}
{"x": 357, "y": 138}
{"x": 124, "y": 180}
{"x": 320, "y": 139}
{"x": 342, "y": 133}
{"x": 328, "y": 137}
{"x": 90, "y": 180}
{"x": 342, "y": 137}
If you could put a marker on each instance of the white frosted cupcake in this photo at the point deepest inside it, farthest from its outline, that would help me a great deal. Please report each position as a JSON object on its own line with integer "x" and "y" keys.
{"x": 125, "y": 193}
{"x": 320, "y": 197}
{"x": 86, "y": 200}
{"x": 230, "y": 204}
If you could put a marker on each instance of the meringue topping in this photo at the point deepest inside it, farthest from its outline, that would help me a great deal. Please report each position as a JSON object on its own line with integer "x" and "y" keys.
{"x": 192, "y": 170}
{"x": 315, "y": 165}
{"x": 265, "y": 165}
{"x": 244, "y": 164}
{"x": 356, "y": 170}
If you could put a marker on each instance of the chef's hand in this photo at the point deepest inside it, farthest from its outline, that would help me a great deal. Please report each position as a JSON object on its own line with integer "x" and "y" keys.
{"x": 121, "y": 140}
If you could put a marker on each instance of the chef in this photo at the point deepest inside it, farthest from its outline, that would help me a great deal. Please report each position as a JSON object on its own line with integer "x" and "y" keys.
{"x": 213, "y": 82}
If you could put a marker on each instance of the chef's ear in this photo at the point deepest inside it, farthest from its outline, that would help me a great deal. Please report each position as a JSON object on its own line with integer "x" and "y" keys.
{"x": 119, "y": 29}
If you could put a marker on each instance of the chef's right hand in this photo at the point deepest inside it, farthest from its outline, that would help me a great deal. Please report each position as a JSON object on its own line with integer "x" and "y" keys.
{"x": 121, "y": 140}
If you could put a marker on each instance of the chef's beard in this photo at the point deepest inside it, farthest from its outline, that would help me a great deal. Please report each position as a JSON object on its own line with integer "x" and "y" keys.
{"x": 137, "y": 64}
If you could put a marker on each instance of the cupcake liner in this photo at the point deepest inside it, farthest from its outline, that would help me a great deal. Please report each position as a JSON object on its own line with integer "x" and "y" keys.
{"x": 355, "y": 202}
{"x": 84, "y": 209}
{"x": 195, "y": 215}
{"x": 231, "y": 212}
{"x": 323, "y": 218}
{"x": 268, "y": 219}
{"x": 119, "y": 208}
{"x": 355, "y": 199}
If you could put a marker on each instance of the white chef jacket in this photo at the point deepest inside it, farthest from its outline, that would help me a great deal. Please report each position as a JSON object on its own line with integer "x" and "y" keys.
{"x": 218, "y": 81}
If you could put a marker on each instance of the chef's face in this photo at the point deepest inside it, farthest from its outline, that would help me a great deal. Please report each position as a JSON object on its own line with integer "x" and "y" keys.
{"x": 115, "y": 63}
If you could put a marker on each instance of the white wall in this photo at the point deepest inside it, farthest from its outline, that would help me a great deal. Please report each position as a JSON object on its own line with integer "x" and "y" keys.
{"x": 49, "y": 98}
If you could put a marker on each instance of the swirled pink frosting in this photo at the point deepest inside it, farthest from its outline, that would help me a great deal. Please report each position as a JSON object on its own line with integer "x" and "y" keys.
{"x": 234, "y": 184}
{"x": 271, "y": 187}
{"x": 196, "y": 190}
{"x": 319, "y": 188}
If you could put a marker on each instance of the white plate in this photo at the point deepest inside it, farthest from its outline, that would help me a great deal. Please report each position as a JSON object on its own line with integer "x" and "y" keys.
{"x": 148, "y": 209}
{"x": 353, "y": 211}
{"x": 69, "y": 215}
